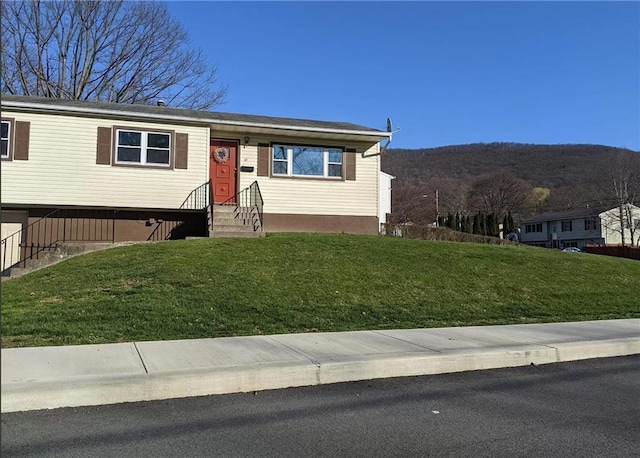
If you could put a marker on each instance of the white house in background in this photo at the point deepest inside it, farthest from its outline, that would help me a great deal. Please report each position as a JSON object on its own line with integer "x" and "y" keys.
{"x": 580, "y": 227}
{"x": 116, "y": 172}
{"x": 384, "y": 201}
{"x": 617, "y": 221}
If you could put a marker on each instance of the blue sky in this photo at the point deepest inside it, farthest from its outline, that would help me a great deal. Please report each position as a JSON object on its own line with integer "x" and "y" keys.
{"x": 445, "y": 72}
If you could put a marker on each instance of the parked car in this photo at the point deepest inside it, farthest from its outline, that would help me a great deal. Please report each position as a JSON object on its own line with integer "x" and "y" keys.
{"x": 572, "y": 249}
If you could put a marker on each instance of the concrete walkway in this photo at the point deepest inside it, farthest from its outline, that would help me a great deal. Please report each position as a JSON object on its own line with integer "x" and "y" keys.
{"x": 50, "y": 377}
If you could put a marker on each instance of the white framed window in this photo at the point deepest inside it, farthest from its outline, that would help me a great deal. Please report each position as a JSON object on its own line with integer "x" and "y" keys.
{"x": 307, "y": 161}
{"x": 140, "y": 147}
{"x": 5, "y": 139}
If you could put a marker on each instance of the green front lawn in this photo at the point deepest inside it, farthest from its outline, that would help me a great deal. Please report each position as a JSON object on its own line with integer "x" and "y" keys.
{"x": 287, "y": 283}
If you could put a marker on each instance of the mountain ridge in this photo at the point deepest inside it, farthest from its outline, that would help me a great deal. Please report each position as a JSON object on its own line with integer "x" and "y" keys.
{"x": 543, "y": 165}
{"x": 568, "y": 175}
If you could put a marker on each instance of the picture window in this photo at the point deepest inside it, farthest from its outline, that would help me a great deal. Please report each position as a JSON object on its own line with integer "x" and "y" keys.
{"x": 307, "y": 161}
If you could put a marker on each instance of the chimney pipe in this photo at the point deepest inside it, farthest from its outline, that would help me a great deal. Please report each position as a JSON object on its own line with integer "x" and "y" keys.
{"x": 160, "y": 103}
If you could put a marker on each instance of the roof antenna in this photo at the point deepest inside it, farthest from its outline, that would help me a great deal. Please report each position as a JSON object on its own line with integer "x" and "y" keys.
{"x": 390, "y": 127}
{"x": 390, "y": 130}
{"x": 384, "y": 148}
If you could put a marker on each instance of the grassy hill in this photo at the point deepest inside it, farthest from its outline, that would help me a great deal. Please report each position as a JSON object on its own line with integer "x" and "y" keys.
{"x": 307, "y": 282}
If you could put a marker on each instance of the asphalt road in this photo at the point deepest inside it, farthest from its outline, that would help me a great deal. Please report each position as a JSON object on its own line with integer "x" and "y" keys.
{"x": 581, "y": 409}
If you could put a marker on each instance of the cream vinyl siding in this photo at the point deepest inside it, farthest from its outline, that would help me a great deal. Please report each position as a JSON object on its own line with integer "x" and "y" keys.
{"x": 384, "y": 199}
{"x": 611, "y": 227}
{"x": 62, "y": 168}
{"x": 316, "y": 196}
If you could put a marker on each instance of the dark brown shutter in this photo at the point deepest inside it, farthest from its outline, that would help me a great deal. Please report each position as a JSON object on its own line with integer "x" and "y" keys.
{"x": 21, "y": 151}
{"x": 103, "y": 155}
{"x": 350, "y": 164}
{"x": 263, "y": 160}
{"x": 182, "y": 151}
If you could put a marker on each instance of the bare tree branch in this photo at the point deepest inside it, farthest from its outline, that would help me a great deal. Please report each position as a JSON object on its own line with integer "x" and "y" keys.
{"x": 624, "y": 178}
{"x": 116, "y": 51}
{"x": 499, "y": 193}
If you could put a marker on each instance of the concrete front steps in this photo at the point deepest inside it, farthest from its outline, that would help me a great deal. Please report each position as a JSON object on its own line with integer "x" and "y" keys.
{"x": 235, "y": 221}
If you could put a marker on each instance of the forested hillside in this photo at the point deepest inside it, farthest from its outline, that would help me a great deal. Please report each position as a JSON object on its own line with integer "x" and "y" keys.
{"x": 553, "y": 177}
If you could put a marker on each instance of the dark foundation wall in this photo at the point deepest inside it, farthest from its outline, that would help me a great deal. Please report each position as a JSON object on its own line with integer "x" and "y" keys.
{"x": 274, "y": 222}
{"x": 106, "y": 225}
{"x": 99, "y": 225}
{"x": 160, "y": 226}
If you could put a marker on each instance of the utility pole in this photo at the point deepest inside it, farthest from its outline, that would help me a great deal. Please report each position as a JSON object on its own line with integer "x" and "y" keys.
{"x": 437, "y": 211}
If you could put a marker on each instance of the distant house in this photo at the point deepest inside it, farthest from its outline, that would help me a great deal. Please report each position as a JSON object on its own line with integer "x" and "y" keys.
{"x": 384, "y": 201}
{"x": 104, "y": 172}
{"x": 611, "y": 225}
{"x": 580, "y": 227}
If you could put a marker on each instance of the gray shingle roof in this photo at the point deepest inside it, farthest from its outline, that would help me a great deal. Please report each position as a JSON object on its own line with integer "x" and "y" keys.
{"x": 585, "y": 212}
{"x": 194, "y": 115}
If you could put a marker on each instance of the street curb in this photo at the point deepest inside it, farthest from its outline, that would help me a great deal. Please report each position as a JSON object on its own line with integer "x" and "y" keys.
{"x": 102, "y": 390}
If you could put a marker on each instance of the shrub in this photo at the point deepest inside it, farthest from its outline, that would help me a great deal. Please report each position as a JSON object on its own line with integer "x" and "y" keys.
{"x": 439, "y": 233}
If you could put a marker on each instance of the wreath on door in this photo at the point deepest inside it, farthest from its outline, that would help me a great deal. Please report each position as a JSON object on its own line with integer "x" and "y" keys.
{"x": 221, "y": 155}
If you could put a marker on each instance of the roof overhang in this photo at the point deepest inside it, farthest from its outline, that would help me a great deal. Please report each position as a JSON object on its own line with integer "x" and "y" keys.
{"x": 217, "y": 124}
{"x": 299, "y": 131}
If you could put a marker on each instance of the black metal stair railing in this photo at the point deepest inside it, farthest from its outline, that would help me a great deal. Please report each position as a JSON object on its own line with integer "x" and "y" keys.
{"x": 201, "y": 198}
{"x": 47, "y": 233}
{"x": 249, "y": 205}
{"x": 81, "y": 225}
{"x": 256, "y": 199}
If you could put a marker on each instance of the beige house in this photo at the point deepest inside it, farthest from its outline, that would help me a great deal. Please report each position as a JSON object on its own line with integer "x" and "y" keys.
{"x": 112, "y": 172}
{"x": 621, "y": 225}
{"x": 384, "y": 200}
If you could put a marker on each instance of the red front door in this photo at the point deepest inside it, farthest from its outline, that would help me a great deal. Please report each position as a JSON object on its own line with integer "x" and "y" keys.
{"x": 223, "y": 170}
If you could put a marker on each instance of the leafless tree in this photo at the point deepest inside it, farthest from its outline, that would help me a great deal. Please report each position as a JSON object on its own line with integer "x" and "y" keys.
{"x": 498, "y": 193}
{"x": 625, "y": 222}
{"x": 624, "y": 176}
{"x": 453, "y": 195}
{"x": 412, "y": 204}
{"x": 113, "y": 51}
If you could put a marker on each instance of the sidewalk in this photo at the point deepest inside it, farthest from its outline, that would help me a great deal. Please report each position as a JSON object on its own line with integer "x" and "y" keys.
{"x": 50, "y": 377}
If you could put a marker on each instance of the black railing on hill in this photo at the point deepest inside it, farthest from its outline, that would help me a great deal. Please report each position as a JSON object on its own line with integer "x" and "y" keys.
{"x": 47, "y": 233}
{"x": 81, "y": 225}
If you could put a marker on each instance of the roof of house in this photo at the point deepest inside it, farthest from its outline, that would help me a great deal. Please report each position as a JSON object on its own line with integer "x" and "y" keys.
{"x": 187, "y": 115}
{"x": 577, "y": 213}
